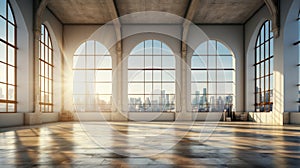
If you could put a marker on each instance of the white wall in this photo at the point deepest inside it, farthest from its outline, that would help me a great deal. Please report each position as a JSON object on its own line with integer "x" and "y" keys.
{"x": 23, "y": 16}
{"x": 289, "y": 35}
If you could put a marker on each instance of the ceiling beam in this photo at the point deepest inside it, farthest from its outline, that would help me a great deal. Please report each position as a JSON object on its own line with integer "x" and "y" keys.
{"x": 189, "y": 16}
{"x": 273, "y": 6}
{"x": 115, "y": 16}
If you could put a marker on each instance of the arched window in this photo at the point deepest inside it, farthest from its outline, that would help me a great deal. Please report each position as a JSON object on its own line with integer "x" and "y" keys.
{"x": 92, "y": 86}
{"x": 46, "y": 71}
{"x": 264, "y": 53}
{"x": 151, "y": 77}
{"x": 8, "y": 51}
{"x": 212, "y": 77}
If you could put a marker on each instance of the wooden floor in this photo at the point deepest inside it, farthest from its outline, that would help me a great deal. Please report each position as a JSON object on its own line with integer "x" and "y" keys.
{"x": 150, "y": 144}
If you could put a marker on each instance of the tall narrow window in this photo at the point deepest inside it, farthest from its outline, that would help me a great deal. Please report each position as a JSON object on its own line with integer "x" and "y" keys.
{"x": 212, "y": 77}
{"x": 8, "y": 51}
{"x": 264, "y": 69}
{"x": 46, "y": 71}
{"x": 151, "y": 77}
{"x": 298, "y": 45}
{"x": 92, "y": 86}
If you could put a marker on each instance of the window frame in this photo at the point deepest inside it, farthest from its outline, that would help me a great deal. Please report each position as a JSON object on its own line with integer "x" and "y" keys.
{"x": 107, "y": 107}
{"x": 144, "y": 69}
{"x": 46, "y": 106}
{"x": 6, "y": 63}
{"x": 265, "y": 63}
{"x": 216, "y": 56}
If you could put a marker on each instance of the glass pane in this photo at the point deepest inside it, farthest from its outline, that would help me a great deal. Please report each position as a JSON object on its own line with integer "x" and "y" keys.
{"x": 46, "y": 70}
{"x": 212, "y": 88}
{"x": 103, "y": 62}
{"x": 157, "y": 47}
{"x": 3, "y": 72}
{"x": 42, "y": 51}
{"x": 136, "y": 62}
{"x": 199, "y": 62}
{"x": 222, "y": 50}
{"x": 258, "y": 89}
{"x": 262, "y": 51}
{"x": 156, "y": 88}
{"x": 212, "y": 50}
{"x": 257, "y": 71}
{"x": 148, "y": 47}
{"x": 79, "y": 75}
{"x": 267, "y": 49}
{"x": 267, "y": 63}
{"x": 11, "y": 75}
{"x": 78, "y": 62}
{"x": 262, "y": 34}
{"x": 103, "y": 88}
{"x": 212, "y": 61}
{"x": 3, "y": 8}
{"x": 225, "y": 75}
{"x": 224, "y": 88}
{"x": 11, "y": 92}
{"x": 2, "y": 52}
{"x": 198, "y": 75}
{"x": 168, "y": 88}
{"x": 3, "y": 29}
{"x": 157, "y": 62}
{"x": 262, "y": 69}
{"x": 90, "y": 62}
{"x": 271, "y": 65}
{"x": 2, "y": 105}
{"x": 135, "y": 75}
{"x": 11, "y": 108}
{"x": 156, "y": 75}
{"x": 90, "y": 75}
{"x": 271, "y": 82}
{"x": 148, "y": 88}
{"x": 267, "y": 83}
{"x": 271, "y": 47}
{"x": 135, "y": 88}
{"x": 212, "y": 75}
{"x": 148, "y": 75}
{"x": 46, "y": 36}
{"x": 42, "y": 68}
{"x": 257, "y": 55}
{"x": 199, "y": 88}
{"x": 90, "y": 46}
{"x": 10, "y": 15}
{"x": 168, "y": 61}
{"x": 11, "y": 56}
{"x": 168, "y": 75}
{"x": 148, "y": 62}
{"x": 2, "y": 91}
{"x": 225, "y": 62}
{"x": 11, "y": 34}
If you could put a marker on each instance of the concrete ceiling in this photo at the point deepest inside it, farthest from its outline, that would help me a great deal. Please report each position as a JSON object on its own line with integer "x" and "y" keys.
{"x": 100, "y": 11}
{"x": 226, "y": 11}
